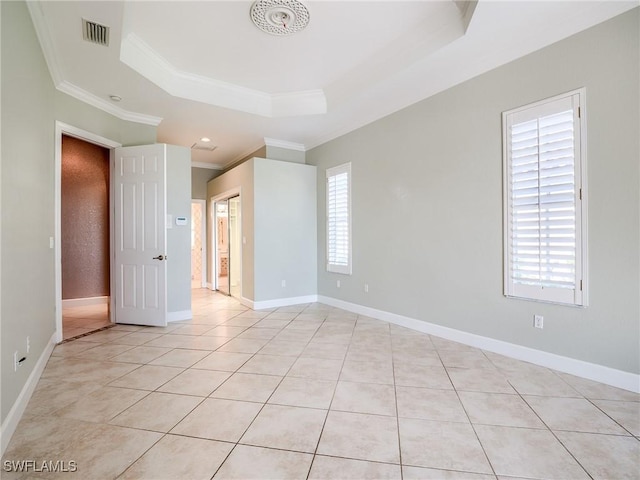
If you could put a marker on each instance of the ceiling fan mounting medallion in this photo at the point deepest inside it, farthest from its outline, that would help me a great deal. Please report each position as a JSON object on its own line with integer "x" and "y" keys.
{"x": 279, "y": 17}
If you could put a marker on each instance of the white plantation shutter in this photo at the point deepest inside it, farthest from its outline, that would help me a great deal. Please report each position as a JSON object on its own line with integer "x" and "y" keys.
{"x": 339, "y": 219}
{"x": 543, "y": 225}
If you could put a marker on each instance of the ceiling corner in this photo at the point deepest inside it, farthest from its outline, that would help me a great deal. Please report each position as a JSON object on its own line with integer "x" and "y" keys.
{"x": 209, "y": 166}
{"x": 467, "y": 9}
{"x": 274, "y": 142}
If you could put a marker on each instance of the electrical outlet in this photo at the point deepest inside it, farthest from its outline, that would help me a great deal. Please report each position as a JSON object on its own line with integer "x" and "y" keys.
{"x": 538, "y": 321}
{"x": 28, "y": 344}
{"x": 366, "y": 288}
{"x": 338, "y": 283}
{"x": 284, "y": 283}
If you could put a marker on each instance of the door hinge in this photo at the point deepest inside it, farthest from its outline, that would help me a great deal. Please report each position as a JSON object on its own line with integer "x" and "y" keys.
{"x": 580, "y": 194}
{"x": 580, "y": 285}
{"x": 579, "y": 112}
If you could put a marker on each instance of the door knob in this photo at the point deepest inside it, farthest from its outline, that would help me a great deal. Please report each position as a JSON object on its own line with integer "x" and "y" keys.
{"x": 159, "y": 257}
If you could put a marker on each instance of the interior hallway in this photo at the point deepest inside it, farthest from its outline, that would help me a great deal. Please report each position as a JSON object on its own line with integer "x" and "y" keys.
{"x": 311, "y": 391}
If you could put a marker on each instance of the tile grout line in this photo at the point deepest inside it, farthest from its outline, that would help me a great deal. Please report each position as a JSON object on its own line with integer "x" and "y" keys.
{"x": 264, "y": 404}
{"x": 395, "y": 393}
{"x": 106, "y": 327}
{"x": 335, "y": 388}
{"x": 235, "y": 444}
{"x": 551, "y": 431}
{"x": 475, "y": 432}
{"x": 609, "y": 416}
{"x": 164, "y": 434}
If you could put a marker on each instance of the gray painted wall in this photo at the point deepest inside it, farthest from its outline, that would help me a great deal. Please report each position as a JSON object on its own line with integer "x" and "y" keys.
{"x": 199, "y": 179}
{"x": 238, "y": 177}
{"x": 178, "y": 237}
{"x": 27, "y": 192}
{"x": 30, "y": 107}
{"x": 284, "y": 154}
{"x": 427, "y": 203}
{"x": 285, "y": 229}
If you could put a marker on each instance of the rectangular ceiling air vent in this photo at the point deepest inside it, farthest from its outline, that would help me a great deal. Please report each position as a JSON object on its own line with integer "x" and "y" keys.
{"x": 203, "y": 146}
{"x": 95, "y": 33}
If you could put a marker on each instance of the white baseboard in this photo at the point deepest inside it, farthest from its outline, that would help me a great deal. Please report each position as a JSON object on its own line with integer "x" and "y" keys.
{"x": 281, "y": 302}
{"x": 246, "y": 302}
{"x": 15, "y": 414}
{"x": 180, "y": 315}
{"x": 83, "y": 302}
{"x": 599, "y": 373}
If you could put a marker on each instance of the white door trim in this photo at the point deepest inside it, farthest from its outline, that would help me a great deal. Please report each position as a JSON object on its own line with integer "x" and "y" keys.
{"x": 203, "y": 234}
{"x": 237, "y": 256}
{"x": 214, "y": 239}
{"x": 213, "y": 284}
{"x": 70, "y": 130}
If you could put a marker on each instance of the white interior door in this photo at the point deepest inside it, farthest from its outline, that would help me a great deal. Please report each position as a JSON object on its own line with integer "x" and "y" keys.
{"x": 140, "y": 235}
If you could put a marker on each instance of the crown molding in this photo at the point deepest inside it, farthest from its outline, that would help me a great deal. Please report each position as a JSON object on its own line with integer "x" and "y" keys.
{"x": 274, "y": 142}
{"x": 241, "y": 156}
{"x": 210, "y": 166}
{"x": 51, "y": 58}
{"x": 309, "y": 102}
{"x": 138, "y": 55}
{"x": 46, "y": 44}
{"x": 105, "y": 106}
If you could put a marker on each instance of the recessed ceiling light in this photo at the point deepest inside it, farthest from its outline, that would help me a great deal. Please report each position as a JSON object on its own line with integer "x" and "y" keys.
{"x": 205, "y": 139}
{"x": 115, "y": 98}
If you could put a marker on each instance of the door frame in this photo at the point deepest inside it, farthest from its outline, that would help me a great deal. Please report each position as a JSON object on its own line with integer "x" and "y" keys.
{"x": 218, "y": 260}
{"x": 71, "y": 131}
{"x": 234, "y": 192}
{"x": 231, "y": 248}
{"x": 203, "y": 235}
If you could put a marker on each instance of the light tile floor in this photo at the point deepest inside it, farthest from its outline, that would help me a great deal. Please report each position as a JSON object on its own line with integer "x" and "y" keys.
{"x": 80, "y": 320}
{"x": 314, "y": 392}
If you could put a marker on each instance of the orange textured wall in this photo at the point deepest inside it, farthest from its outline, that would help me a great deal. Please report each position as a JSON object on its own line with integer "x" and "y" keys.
{"x": 85, "y": 219}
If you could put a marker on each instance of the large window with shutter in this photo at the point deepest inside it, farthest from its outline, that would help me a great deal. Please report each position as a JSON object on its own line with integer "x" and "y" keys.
{"x": 545, "y": 201}
{"x": 339, "y": 219}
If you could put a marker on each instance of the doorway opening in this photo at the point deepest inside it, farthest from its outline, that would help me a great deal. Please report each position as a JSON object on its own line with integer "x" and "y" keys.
{"x": 85, "y": 310}
{"x": 222, "y": 247}
{"x": 228, "y": 245}
{"x": 198, "y": 238}
{"x": 85, "y": 242}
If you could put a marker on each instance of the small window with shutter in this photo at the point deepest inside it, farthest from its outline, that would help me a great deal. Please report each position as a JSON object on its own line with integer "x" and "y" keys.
{"x": 339, "y": 219}
{"x": 545, "y": 201}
